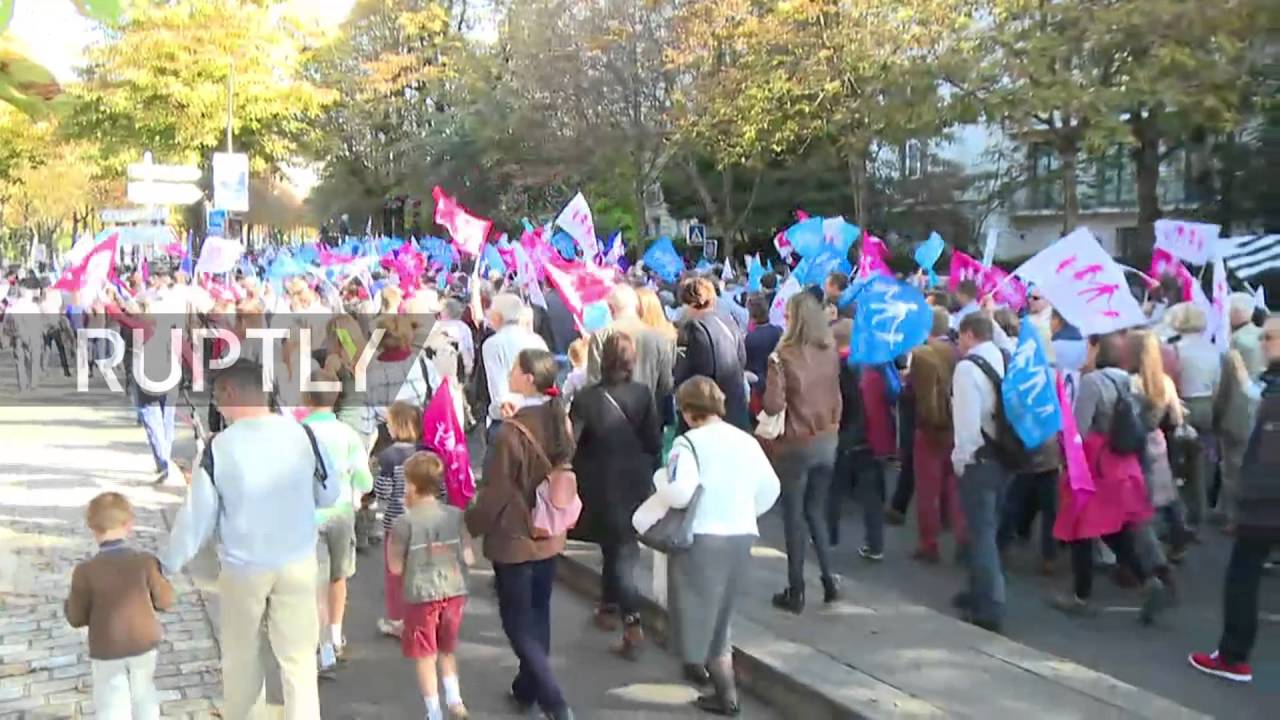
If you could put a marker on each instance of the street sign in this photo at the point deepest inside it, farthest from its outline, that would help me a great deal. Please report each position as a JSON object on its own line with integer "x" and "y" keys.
{"x": 231, "y": 182}
{"x": 711, "y": 249}
{"x": 146, "y": 192}
{"x": 122, "y": 216}
{"x": 164, "y": 173}
{"x": 696, "y": 234}
{"x": 217, "y": 223}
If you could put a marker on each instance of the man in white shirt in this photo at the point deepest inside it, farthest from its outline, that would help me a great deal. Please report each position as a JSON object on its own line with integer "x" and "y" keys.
{"x": 982, "y": 478}
{"x": 261, "y": 501}
{"x": 24, "y": 328}
{"x": 967, "y": 296}
{"x": 499, "y": 352}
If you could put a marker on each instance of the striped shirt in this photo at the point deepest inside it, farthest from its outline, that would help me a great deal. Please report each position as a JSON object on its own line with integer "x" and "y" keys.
{"x": 388, "y": 487}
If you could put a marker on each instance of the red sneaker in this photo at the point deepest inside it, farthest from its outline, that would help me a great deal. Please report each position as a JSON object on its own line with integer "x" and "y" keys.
{"x": 1213, "y": 665}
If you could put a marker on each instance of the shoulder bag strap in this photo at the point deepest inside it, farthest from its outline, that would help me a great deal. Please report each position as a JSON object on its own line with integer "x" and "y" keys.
{"x": 321, "y": 473}
{"x": 426, "y": 376}
{"x": 524, "y": 430}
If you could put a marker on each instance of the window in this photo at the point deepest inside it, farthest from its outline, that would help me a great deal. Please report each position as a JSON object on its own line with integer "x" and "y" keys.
{"x": 1127, "y": 242}
{"x": 912, "y": 159}
{"x": 1043, "y": 192}
{"x": 1114, "y": 179}
{"x": 1195, "y": 173}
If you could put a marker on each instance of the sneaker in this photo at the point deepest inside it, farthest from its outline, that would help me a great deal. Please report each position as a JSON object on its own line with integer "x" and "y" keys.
{"x": 1072, "y": 605}
{"x": 390, "y": 628}
{"x": 1212, "y": 664}
{"x": 927, "y": 556}
{"x": 1154, "y": 600}
{"x": 866, "y": 553}
{"x": 893, "y": 517}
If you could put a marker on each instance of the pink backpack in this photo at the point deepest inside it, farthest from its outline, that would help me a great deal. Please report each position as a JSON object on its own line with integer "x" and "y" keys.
{"x": 556, "y": 505}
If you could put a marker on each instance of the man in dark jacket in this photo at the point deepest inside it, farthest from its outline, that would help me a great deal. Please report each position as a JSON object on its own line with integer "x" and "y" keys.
{"x": 1257, "y": 528}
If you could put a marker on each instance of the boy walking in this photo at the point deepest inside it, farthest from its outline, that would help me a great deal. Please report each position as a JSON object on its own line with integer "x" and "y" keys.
{"x": 337, "y": 524}
{"x": 426, "y": 546}
{"x": 116, "y": 593}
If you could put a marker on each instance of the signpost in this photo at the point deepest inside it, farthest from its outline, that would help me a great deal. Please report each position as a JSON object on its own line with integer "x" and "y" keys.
{"x": 711, "y": 249}
{"x": 217, "y": 223}
{"x": 696, "y": 234}
{"x": 231, "y": 182}
{"x": 151, "y": 184}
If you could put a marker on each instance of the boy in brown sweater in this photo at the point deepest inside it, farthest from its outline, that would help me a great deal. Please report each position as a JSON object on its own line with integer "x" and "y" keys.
{"x": 116, "y": 593}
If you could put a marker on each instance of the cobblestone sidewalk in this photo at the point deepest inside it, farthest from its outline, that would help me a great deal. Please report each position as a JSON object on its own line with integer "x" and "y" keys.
{"x": 55, "y": 460}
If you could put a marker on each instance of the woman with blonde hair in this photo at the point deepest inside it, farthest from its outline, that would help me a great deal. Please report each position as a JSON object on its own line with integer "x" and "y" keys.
{"x": 653, "y": 314}
{"x": 804, "y": 383}
{"x": 1165, "y": 414}
{"x": 397, "y": 373}
{"x": 344, "y": 341}
{"x": 707, "y": 345}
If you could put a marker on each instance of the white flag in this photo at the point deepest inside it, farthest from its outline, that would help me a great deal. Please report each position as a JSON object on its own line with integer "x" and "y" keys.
{"x": 576, "y": 220}
{"x": 1084, "y": 284}
{"x": 1193, "y": 242}
{"x": 1219, "y": 318}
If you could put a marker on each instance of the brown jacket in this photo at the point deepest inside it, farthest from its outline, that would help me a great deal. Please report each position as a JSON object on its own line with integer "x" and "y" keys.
{"x": 932, "y": 367}
{"x": 502, "y": 511}
{"x": 805, "y": 381}
{"x": 116, "y": 593}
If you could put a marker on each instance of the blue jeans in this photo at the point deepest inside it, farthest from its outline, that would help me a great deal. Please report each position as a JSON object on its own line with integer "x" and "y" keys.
{"x": 982, "y": 489}
{"x": 158, "y": 420}
{"x": 524, "y": 604}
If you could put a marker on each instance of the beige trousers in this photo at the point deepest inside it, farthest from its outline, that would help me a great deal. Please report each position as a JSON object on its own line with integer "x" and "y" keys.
{"x": 286, "y": 598}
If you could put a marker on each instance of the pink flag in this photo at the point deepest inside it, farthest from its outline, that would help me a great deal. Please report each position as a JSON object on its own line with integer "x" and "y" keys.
{"x": 871, "y": 257}
{"x": 1079, "y": 479}
{"x": 1007, "y": 289}
{"x": 442, "y": 434}
{"x": 579, "y": 284}
{"x": 963, "y": 268}
{"x": 468, "y": 231}
{"x": 93, "y": 271}
{"x": 1163, "y": 263}
{"x": 409, "y": 264}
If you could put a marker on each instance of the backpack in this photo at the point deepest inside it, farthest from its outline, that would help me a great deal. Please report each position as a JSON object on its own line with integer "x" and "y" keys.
{"x": 320, "y": 474}
{"x": 1128, "y": 432}
{"x": 1006, "y": 447}
{"x": 556, "y": 505}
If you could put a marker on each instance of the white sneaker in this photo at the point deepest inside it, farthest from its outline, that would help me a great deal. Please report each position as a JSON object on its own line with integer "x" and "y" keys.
{"x": 390, "y": 628}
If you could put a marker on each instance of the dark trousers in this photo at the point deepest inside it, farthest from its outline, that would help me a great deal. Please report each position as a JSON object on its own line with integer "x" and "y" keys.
{"x": 524, "y": 603}
{"x": 1031, "y": 494}
{"x": 53, "y": 337}
{"x": 1240, "y": 597}
{"x": 806, "y": 486}
{"x": 1121, "y": 543}
{"x": 618, "y": 576}
{"x": 906, "y": 486}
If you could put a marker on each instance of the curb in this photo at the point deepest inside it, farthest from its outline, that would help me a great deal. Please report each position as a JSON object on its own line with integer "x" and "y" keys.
{"x": 765, "y": 675}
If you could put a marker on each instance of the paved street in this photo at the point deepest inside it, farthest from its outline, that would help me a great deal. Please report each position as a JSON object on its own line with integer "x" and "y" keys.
{"x": 56, "y": 458}
{"x": 1113, "y": 643}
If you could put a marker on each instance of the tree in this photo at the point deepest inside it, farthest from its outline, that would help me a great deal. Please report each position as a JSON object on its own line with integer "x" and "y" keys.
{"x": 24, "y": 83}
{"x": 160, "y": 81}
{"x": 768, "y": 80}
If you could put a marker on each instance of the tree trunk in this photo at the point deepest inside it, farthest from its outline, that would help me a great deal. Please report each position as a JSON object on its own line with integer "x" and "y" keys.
{"x": 1068, "y": 155}
{"x": 1146, "y": 163}
{"x": 857, "y": 162}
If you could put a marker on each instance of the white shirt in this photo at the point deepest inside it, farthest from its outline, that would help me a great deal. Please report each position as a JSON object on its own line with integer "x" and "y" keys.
{"x": 973, "y": 405}
{"x": 499, "y": 353}
{"x": 461, "y": 334}
{"x": 737, "y": 479}
{"x": 261, "y": 501}
{"x": 964, "y": 312}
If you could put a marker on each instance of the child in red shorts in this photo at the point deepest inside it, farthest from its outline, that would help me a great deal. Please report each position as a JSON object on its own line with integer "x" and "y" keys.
{"x": 427, "y": 547}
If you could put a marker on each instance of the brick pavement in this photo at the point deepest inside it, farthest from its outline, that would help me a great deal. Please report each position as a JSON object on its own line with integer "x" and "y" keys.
{"x": 55, "y": 459}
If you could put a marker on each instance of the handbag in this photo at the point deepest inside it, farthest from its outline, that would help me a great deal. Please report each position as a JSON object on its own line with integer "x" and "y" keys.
{"x": 673, "y": 532}
{"x": 771, "y": 427}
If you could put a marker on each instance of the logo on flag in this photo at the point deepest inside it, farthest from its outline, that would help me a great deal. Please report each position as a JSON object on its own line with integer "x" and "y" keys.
{"x": 576, "y": 220}
{"x": 467, "y": 230}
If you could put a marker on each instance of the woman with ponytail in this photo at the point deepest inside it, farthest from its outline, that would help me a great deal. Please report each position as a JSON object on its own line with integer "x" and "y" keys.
{"x": 533, "y": 439}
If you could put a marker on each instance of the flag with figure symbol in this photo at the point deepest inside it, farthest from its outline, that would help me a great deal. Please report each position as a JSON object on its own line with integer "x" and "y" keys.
{"x": 1084, "y": 284}
{"x": 1029, "y": 392}
{"x": 892, "y": 318}
{"x": 443, "y": 435}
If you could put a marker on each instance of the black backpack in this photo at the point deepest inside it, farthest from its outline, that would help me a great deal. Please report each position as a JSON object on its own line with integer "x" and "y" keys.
{"x": 1006, "y": 447}
{"x": 1129, "y": 429}
{"x": 321, "y": 473}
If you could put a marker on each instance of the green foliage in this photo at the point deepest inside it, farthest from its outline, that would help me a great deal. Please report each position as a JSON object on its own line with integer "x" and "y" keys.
{"x": 159, "y": 82}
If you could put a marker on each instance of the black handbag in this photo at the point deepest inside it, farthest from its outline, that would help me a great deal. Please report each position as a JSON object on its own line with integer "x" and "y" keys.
{"x": 673, "y": 532}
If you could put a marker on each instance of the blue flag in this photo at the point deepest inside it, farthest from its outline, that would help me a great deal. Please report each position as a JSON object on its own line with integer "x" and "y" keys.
{"x": 815, "y": 269}
{"x": 1029, "y": 391}
{"x": 806, "y": 237}
{"x": 662, "y": 258}
{"x": 892, "y": 318}
{"x": 492, "y": 259}
{"x": 755, "y": 272}
{"x": 927, "y": 255}
{"x": 564, "y": 243}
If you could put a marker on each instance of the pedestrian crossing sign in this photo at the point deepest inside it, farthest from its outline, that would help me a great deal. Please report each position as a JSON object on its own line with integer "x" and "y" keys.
{"x": 696, "y": 234}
